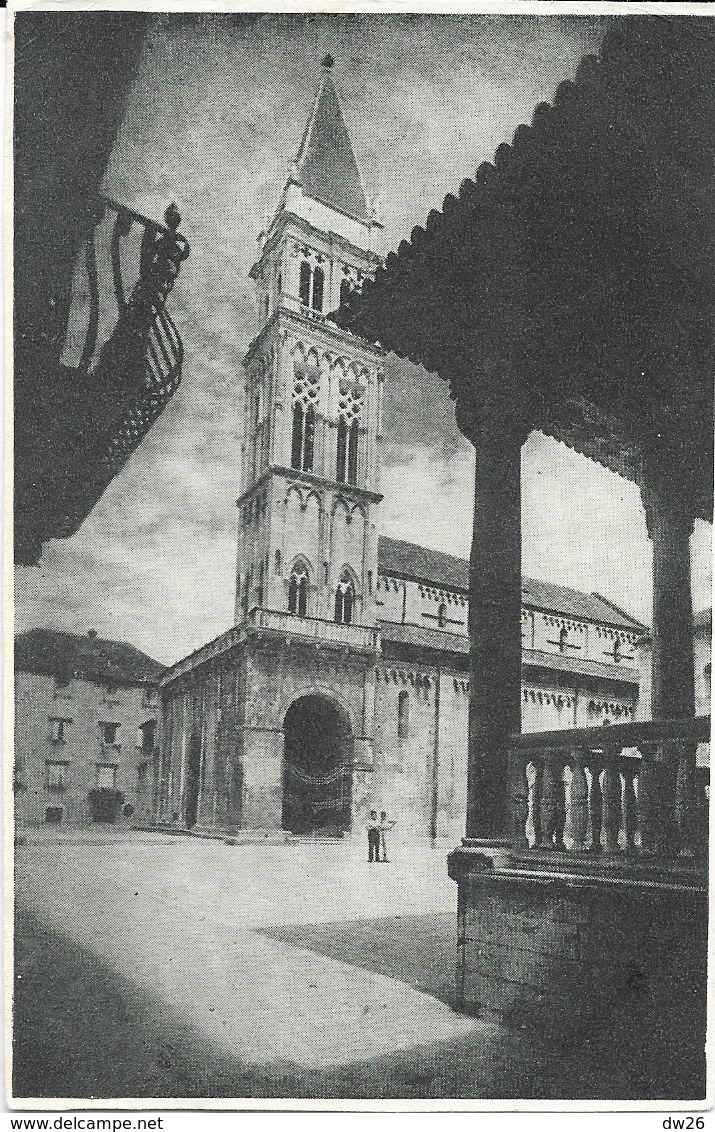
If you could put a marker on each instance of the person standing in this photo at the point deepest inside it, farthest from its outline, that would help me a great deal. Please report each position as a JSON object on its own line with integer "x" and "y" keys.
{"x": 384, "y": 825}
{"x": 373, "y": 837}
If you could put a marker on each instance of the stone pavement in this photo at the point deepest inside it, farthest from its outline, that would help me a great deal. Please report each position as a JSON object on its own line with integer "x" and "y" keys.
{"x": 197, "y": 925}
{"x": 156, "y": 966}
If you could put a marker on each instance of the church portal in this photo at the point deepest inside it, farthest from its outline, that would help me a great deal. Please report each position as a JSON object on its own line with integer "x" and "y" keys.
{"x": 317, "y": 775}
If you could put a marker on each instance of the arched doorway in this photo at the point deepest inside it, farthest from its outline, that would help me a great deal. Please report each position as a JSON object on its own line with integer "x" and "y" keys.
{"x": 193, "y": 780}
{"x": 317, "y": 768}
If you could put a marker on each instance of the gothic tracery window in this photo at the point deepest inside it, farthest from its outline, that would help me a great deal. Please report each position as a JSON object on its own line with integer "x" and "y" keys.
{"x": 305, "y": 398}
{"x": 298, "y": 590}
{"x": 344, "y": 599}
{"x": 350, "y": 402}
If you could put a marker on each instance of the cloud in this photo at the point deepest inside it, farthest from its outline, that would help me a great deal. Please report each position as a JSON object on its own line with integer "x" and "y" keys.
{"x": 215, "y": 116}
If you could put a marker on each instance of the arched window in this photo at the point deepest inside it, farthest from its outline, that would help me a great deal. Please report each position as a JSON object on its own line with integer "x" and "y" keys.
{"x": 353, "y": 452}
{"x": 341, "y": 468}
{"x": 344, "y": 600}
{"x": 616, "y": 650}
{"x": 318, "y": 285}
{"x": 442, "y": 616}
{"x": 298, "y": 590}
{"x": 403, "y": 715}
{"x": 563, "y": 639}
{"x": 345, "y": 290}
{"x": 305, "y": 396}
{"x": 305, "y": 280}
{"x": 350, "y": 401}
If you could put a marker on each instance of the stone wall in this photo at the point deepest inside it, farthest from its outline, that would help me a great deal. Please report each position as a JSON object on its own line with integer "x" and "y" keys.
{"x": 41, "y": 699}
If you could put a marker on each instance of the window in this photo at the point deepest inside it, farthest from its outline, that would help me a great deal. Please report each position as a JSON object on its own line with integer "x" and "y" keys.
{"x": 57, "y": 777}
{"x": 305, "y": 281}
{"x": 345, "y": 290}
{"x": 298, "y": 590}
{"x": 146, "y": 735}
{"x": 311, "y": 286}
{"x": 403, "y": 715}
{"x": 247, "y": 587}
{"x": 350, "y": 401}
{"x": 318, "y": 284}
{"x": 279, "y": 284}
{"x": 442, "y": 616}
{"x": 278, "y": 566}
{"x": 305, "y": 398}
{"x": 58, "y": 733}
{"x": 110, "y": 734}
{"x": 151, "y": 697}
{"x": 563, "y": 640}
{"x": 344, "y": 600}
{"x": 106, "y": 776}
{"x": 616, "y": 651}
{"x": 53, "y": 815}
{"x": 259, "y": 584}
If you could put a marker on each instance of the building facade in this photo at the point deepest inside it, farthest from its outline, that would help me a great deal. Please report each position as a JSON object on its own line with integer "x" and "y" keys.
{"x": 85, "y": 730}
{"x": 343, "y": 685}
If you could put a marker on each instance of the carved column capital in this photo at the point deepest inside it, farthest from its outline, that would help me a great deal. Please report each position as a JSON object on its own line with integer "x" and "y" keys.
{"x": 667, "y": 506}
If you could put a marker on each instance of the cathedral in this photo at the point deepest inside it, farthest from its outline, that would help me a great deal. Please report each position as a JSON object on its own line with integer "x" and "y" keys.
{"x": 343, "y": 685}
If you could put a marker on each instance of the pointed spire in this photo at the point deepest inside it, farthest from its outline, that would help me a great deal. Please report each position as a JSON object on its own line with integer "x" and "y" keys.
{"x": 325, "y": 165}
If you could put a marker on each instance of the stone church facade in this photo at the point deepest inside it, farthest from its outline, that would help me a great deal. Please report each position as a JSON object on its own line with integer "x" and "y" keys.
{"x": 343, "y": 685}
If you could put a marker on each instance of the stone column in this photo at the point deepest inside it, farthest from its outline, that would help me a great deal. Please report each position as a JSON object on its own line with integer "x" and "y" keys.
{"x": 494, "y": 625}
{"x": 670, "y": 525}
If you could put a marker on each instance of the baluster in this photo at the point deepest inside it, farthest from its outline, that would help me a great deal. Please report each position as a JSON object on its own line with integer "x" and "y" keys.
{"x": 649, "y": 801}
{"x": 538, "y": 765}
{"x": 559, "y": 803}
{"x": 595, "y": 803}
{"x": 630, "y": 805}
{"x": 578, "y": 809}
{"x": 611, "y": 795}
{"x": 684, "y": 798}
{"x": 548, "y": 809}
{"x": 519, "y": 799}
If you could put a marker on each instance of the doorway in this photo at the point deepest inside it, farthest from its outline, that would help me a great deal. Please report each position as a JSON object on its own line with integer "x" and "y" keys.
{"x": 317, "y": 774}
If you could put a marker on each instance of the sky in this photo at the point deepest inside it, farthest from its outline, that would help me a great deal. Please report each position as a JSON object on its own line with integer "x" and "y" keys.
{"x": 214, "y": 118}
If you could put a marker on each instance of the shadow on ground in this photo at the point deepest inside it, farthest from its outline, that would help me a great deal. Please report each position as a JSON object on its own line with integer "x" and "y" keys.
{"x": 418, "y": 950}
{"x": 82, "y": 1031}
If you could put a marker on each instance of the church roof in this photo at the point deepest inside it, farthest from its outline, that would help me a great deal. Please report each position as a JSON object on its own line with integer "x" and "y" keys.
{"x": 51, "y": 652}
{"x": 434, "y": 567}
{"x": 326, "y": 166}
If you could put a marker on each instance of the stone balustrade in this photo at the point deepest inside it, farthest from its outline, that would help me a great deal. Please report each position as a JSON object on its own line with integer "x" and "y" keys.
{"x": 629, "y": 792}
{"x": 321, "y": 631}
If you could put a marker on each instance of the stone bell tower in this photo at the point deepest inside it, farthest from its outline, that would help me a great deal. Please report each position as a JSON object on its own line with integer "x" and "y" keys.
{"x": 313, "y": 394}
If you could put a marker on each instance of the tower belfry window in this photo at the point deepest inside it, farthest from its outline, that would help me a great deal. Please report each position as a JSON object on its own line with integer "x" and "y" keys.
{"x": 298, "y": 590}
{"x": 305, "y": 398}
{"x": 344, "y": 600}
{"x": 305, "y": 282}
{"x": 350, "y": 402}
{"x": 311, "y": 286}
{"x": 318, "y": 284}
